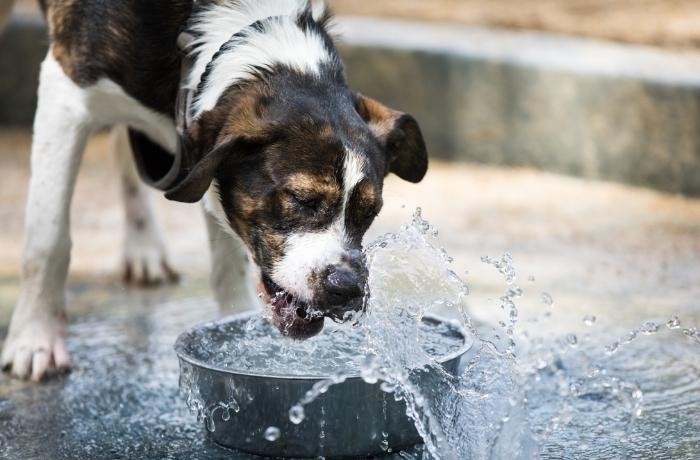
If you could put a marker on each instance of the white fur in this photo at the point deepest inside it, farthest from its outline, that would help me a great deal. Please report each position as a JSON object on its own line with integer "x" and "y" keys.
{"x": 353, "y": 173}
{"x": 232, "y": 277}
{"x": 212, "y": 205}
{"x": 283, "y": 42}
{"x": 61, "y": 127}
{"x": 310, "y": 253}
{"x": 66, "y": 114}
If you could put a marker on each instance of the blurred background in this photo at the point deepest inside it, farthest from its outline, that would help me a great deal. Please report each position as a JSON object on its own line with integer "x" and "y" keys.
{"x": 562, "y": 131}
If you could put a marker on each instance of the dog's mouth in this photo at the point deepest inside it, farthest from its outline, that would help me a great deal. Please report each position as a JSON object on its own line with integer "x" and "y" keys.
{"x": 293, "y": 317}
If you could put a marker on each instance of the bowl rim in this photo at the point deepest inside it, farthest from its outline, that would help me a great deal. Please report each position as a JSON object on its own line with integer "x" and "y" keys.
{"x": 179, "y": 346}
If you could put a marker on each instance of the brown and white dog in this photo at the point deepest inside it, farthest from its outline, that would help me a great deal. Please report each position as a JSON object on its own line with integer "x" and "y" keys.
{"x": 240, "y": 104}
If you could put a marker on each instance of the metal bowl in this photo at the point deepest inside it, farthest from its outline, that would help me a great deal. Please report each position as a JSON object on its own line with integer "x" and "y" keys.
{"x": 353, "y": 418}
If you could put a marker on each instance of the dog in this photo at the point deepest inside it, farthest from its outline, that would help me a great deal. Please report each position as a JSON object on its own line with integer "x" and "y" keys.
{"x": 241, "y": 105}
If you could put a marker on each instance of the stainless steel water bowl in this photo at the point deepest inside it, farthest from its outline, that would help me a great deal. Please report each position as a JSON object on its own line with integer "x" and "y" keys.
{"x": 352, "y": 418}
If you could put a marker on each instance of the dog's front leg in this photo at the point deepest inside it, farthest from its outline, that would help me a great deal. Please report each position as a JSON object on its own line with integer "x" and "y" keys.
{"x": 146, "y": 260}
{"x": 35, "y": 342}
{"x": 231, "y": 277}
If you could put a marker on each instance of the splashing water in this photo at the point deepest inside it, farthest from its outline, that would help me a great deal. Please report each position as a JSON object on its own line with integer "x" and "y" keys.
{"x": 459, "y": 417}
{"x": 516, "y": 396}
{"x": 260, "y": 348}
{"x": 538, "y": 397}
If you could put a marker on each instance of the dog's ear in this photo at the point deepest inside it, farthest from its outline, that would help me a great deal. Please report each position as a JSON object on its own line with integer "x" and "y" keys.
{"x": 216, "y": 136}
{"x": 400, "y": 136}
{"x": 197, "y": 175}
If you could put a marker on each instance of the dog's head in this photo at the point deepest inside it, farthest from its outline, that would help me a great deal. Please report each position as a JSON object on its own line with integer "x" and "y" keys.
{"x": 293, "y": 162}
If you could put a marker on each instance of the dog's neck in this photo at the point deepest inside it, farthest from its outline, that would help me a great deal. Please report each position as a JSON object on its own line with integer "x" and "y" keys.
{"x": 234, "y": 40}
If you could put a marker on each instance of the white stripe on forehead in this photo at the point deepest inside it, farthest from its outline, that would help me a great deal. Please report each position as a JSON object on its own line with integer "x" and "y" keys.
{"x": 310, "y": 253}
{"x": 353, "y": 173}
{"x": 282, "y": 42}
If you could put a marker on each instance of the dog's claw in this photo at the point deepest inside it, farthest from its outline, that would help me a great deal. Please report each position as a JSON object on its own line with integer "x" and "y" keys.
{"x": 147, "y": 274}
{"x": 36, "y": 350}
{"x": 146, "y": 264}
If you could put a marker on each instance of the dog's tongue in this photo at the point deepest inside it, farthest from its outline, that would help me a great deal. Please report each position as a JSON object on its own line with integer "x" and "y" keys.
{"x": 294, "y": 320}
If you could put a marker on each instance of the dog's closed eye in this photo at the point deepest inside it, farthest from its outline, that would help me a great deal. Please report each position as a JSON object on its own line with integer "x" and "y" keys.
{"x": 304, "y": 201}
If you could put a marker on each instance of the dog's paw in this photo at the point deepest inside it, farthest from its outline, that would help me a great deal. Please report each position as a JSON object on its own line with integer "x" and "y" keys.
{"x": 146, "y": 261}
{"x": 147, "y": 266}
{"x": 36, "y": 348}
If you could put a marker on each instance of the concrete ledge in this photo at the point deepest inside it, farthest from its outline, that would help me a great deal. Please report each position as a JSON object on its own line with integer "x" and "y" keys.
{"x": 576, "y": 106}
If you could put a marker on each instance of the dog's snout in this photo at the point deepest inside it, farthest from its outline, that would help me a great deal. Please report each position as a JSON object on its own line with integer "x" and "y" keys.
{"x": 343, "y": 284}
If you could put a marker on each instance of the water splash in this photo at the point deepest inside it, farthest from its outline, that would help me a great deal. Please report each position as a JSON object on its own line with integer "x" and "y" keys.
{"x": 516, "y": 396}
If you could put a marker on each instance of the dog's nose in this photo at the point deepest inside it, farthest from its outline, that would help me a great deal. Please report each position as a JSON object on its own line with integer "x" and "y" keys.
{"x": 342, "y": 285}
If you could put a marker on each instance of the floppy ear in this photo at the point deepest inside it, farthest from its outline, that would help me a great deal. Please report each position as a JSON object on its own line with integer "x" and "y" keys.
{"x": 400, "y": 136}
{"x": 212, "y": 138}
{"x": 197, "y": 175}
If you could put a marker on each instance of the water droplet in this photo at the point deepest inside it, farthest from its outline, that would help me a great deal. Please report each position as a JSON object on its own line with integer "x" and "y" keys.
{"x": 384, "y": 444}
{"x": 631, "y": 335}
{"x": 692, "y": 332}
{"x": 547, "y": 299}
{"x": 649, "y": 327}
{"x": 531, "y": 278}
{"x": 445, "y": 256}
{"x": 514, "y": 293}
{"x": 272, "y": 433}
{"x": 388, "y": 387}
{"x": 296, "y": 414}
{"x": 572, "y": 340}
{"x": 612, "y": 348}
{"x": 588, "y": 320}
{"x": 673, "y": 323}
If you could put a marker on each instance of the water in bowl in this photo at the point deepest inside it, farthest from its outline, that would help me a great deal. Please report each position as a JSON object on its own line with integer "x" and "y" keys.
{"x": 256, "y": 346}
